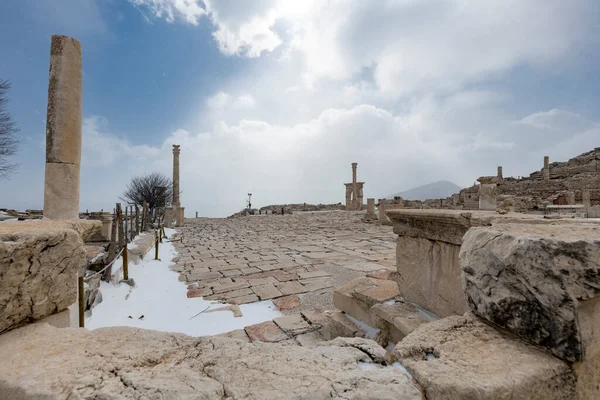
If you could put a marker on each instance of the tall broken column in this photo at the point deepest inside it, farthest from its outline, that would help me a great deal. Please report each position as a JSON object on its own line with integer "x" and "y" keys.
{"x": 500, "y": 172}
{"x": 546, "y": 172}
{"x": 63, "y": 130}
{"x": 586, "y": 198}
{"x": 354, "y": 187}
{"x": 176, "y": 152}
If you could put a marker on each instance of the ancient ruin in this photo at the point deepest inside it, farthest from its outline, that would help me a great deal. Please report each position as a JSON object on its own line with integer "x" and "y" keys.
{"x": 354, "y": 192}
{"x": 491, "y": 293}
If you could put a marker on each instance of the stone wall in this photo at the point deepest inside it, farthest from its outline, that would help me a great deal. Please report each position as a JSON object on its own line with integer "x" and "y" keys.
{"x": 39, "y": 264}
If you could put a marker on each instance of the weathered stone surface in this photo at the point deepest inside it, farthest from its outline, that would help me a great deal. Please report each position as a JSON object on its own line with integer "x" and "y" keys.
{"x": 531, "y": 279}
{"x": 339, "y": 325}
{"x": 238, "y": 334}
{"x": 119, "y": 363}
{"x": 461, "y": 358}
{"x": 359, "y": 295}
{"x": 291, "y": 287}
{"x": 38, "y": 271}
{"x": 403, "y": 316}
{"x": 292, "y": 324}
{"x": 244, "y": 299}
{"x": 287, "y": 302}
{"x": 265, "y": 332}
{"x": 265, "y": 292}
{"x": 429, "y": 275}
{"x": 198, "y": 292}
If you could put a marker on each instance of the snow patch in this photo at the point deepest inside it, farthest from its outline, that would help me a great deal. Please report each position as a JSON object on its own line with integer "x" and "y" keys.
{"x": 159, "y": 301}
{"x": 370, "y": 332}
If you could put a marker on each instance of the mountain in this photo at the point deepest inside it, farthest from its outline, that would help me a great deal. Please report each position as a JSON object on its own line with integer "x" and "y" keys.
{"x": 435, "y": 190}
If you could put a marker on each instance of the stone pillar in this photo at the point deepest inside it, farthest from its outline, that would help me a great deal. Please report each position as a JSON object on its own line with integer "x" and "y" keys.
{"x": 176, "y": 175}
{"x": 348, "y": 196}
{"x": 354, "y": 188}
{"x": 500, "y": 172}
{"x": 63, "y": 130}
{"x": 586, "y": 198}
{"x": 371, "y": 206}
{"x": 546, "y": 172}
{"x": 359, "y": 195}
{"x": 105, "y": 231}
{"x": 487, "y": 196}
{"x": 197, "y": 214}
{"x": 571, "y": 198}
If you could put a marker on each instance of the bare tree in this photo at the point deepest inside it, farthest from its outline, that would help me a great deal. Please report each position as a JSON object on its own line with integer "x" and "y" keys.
{"x": 155, "y": 188}
{"x": 8, "y": 130}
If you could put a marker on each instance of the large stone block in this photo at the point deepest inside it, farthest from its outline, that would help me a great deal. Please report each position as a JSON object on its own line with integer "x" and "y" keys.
{"x": 534, "y": 279}
{"x": 61, "y": 191}
{"x": 462, "y": 358}
{"x": 38, "y": 271}
{"x": 429, "y": 275}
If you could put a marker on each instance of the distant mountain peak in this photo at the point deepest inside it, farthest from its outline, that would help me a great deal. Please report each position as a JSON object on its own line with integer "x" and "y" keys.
{"x": 434, "y": 190}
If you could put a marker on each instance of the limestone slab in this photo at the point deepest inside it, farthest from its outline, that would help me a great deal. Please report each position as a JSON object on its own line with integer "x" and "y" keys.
{"x": 462, "y": 358}
{"x": 292, "y": 324}
{"x": 287, "y": 302}
{"x": 265, "y": 332}
{"x": 291, "y": 287}
{"x": 265, "y": 292}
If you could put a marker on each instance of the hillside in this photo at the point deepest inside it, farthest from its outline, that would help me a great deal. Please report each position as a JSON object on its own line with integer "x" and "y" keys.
{"x": 435, "y": 190}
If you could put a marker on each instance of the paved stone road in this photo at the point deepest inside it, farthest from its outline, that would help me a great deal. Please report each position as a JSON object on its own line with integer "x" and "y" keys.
{"x": 254, "y": 258}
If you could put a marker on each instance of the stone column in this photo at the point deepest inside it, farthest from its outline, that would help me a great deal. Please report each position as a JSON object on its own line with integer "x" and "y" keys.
{"x": 176, "y": 175}
{"x": 586, "y": 198}
{"x": 371, "y": 206}
{"x": 500, "y": 172}
{"x": 546, "y": 172}
{"x": 455, "y": 199}
{"x": 359, "y": 195}
{"x": 104, "y": 235}
{"x": 571, "y": 198}
{"x": 487, "y": 196}
{"x": 348, "y": 196}
{"x": 354, "y": 188}
{"x": 63, "y": 130}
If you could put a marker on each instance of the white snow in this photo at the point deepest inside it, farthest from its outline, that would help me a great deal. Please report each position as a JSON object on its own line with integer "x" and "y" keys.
{"x": 161, "y": 298}
{"x": 369, "y": 330}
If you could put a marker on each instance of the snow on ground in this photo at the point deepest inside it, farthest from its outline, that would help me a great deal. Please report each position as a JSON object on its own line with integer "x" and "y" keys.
{"x": 162, "y": 300}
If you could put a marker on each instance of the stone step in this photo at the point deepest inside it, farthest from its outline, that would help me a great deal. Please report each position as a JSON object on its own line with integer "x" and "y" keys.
{"x": 358, "y": 296}
{"x": 401, "y": 318}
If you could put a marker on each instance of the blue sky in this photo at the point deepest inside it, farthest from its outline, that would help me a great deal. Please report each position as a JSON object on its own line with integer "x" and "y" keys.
{"x": 278, "y": 97}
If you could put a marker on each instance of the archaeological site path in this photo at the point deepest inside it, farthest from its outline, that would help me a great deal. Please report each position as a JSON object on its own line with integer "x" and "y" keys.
{"x": 244, "y": 260}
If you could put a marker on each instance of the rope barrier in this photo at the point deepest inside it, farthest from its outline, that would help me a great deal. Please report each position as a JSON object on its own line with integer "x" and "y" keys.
{"x": 87, "y": 278}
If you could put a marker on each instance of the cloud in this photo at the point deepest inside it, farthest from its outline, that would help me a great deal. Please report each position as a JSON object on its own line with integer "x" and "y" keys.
{"x": 189, "y": 11}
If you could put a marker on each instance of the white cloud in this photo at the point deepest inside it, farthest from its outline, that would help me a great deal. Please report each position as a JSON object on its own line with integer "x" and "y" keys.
{"x": 189, "y": 11}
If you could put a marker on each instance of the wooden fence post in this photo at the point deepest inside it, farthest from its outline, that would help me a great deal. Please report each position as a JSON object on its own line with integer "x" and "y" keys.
{"x": 81, "y": 302}
{"x": 156, "y": 246}
{"x": 137, "y": 220}
{"x": 120, "y": 225}
{"x": 144, "y": 216}
{"x": 126, "y": 223}
{"x": 125, "y": 263}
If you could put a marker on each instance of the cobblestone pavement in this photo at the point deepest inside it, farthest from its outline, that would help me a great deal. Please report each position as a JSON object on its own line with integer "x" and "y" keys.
{"x": 293, "y": 259}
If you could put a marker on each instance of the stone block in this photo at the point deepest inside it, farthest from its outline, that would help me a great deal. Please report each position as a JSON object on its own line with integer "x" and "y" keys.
{"x": 200, "y": 292}
{"x": 429, "y": 275}
{"x": 316, "y": 283}
{"x": 532, "y": 280}
{"x": 292, "y": 324}
{"x": 339, "y": 325}
{"x": 61, "y": 191}
{"x": 462, "y": 358}
{"x": 244, "y": 299}
{"x": 313, "y": 274}
{"x": 357, "y": 296}
{"x": 287, "y": 302}
{"x": 38, "y": 271}
{"x": 310, "y": 339}
{"x": 403, "y": 316}
{"x": 238, "y": 334}
{"x": 230, "y": 295}
{"x": 291, "y": 287}
{"x": 315, "y": 318}
{"x": 265, "y": 332}
{"x": 266, "y": 292}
